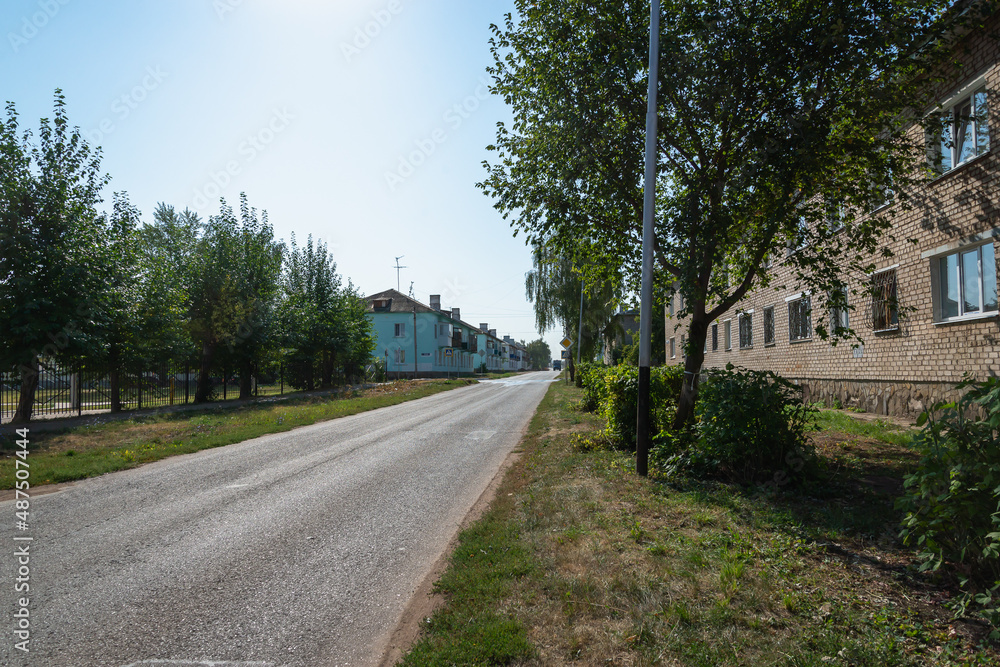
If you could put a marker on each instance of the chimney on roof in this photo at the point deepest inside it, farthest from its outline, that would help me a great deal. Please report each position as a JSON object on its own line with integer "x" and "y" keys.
{"x": 493, "y": 332}
{"x": 485, "y": 327}
{"x": 456, "y": 313}
{"x": 436, "y": 301}
{"x": 508, "y": 339}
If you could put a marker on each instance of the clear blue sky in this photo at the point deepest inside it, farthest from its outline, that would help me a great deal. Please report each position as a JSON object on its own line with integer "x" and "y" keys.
{"x": 363, "y": 123}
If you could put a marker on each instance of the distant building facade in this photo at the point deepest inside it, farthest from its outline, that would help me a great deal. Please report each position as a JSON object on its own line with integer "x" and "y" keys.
{"x": 419, "y": 340}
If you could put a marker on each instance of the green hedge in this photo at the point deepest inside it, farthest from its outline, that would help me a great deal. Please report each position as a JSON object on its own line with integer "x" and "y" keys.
{"x": 619, "y": 400}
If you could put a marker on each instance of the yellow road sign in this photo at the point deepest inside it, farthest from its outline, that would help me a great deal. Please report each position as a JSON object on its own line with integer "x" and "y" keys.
{"x": 566, "y": 342}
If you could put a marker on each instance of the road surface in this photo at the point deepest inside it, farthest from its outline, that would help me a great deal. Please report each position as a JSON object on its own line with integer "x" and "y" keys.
{"x": 295, "y": 549}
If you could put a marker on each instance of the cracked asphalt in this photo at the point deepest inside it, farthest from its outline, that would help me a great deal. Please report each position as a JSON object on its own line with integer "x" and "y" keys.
{"x": 295, "y": 549}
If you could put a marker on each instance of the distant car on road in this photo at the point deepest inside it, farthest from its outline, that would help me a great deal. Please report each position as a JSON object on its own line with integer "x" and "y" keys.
{"x": 557, "y": 364}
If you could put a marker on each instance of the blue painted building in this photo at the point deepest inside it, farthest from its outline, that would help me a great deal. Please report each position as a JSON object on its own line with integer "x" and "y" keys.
{"x": 417, "y": 340}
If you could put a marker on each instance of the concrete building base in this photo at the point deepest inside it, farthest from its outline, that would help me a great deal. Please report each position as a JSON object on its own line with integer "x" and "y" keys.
{"x": 900, "y": 399}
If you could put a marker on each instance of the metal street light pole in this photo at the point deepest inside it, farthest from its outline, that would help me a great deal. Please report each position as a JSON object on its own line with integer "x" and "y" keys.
{"x": 648, "y": 211}
{"x": 579, "y": 333}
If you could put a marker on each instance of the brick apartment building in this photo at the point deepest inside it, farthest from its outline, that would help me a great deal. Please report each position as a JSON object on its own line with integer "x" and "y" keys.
{"x": 945, "y": 320}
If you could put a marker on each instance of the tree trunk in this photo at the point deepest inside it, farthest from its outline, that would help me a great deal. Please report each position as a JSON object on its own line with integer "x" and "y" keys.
{"x": 246, "y": 379}
{"x": 204, "y": 392}
{"x": 693, "y": 360}
{"x": 26, "y": 400}
{"x": 327, "y": 369}
{"x": 572, "y": 369}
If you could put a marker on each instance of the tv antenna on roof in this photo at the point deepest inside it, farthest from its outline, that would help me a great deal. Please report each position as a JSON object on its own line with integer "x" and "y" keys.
{"x": 411, "y": 291}
{"x": 398, "y": 267}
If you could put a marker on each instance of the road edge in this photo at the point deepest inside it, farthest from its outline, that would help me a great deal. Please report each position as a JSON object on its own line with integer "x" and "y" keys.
{"x": 424, "y": 601}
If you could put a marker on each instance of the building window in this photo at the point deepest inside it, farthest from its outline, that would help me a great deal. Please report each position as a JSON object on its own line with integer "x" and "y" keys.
{"x": 400, "y": 330}
{"x": 960, "y": 133}
{"x": 840, "y": 320}
{"x": 746, "y": 330}
{"x": 769, "y": 325}
{"x": 673, "y": 349}
{"x": 801, "y": 233}
{"x": 800, "y": 318}
{"x": 728, "y": 334}
{"x": 834, "y": 215}
{"x": 400, "y": 356}
{"x": 968, "y": 283}
{"x": 885, "y": 304}
{"x": 715, "y": 338}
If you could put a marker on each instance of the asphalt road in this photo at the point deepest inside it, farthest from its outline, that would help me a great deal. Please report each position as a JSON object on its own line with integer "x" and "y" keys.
{"x": 296, "y": 549}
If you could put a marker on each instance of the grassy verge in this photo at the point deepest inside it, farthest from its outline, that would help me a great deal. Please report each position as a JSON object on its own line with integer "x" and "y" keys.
{"x": 580, "y": 561}
{"x": 88, "y": 451}
{"x": 878, "y": 429}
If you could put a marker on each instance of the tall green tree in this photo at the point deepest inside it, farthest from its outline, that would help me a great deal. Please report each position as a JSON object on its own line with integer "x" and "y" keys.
{"x": 770, "y": 113}
{"x": 323, "y": 323}
{"x": 54, "y": 259}
{"x": 142, "y": 308}
{"x": 311, "y": 320}
{"x": 555, "y": 285}
{"x": 168, "y": 247}
{"x": 539, "y": 354}
{"x": 233, "y": 291}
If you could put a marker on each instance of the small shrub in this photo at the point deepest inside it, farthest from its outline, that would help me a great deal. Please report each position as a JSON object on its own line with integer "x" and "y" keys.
{"x": 952, "y": 500}
{"x": 591, "y": 377}
{"x": 751, "y": 427}
{"x": 620, "y": 401}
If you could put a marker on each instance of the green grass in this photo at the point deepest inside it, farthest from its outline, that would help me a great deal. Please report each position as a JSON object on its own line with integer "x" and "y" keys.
{"x": 878, "y": 429}
{"x": 89, "y": 451}
{"x": 580, "y": 560}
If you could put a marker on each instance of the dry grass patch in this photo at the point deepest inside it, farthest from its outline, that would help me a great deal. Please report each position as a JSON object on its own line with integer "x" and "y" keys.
{"x": 628, "y": 571}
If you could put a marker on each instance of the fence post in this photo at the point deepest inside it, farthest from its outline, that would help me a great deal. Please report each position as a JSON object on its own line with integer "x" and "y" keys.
{"x": 225, "y": 381}
{"x": 140, "y": 391}
{"x": 187, "y": 381}
{"x": 281, "y": 377}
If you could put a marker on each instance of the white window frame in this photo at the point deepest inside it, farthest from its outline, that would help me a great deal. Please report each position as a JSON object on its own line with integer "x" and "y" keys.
{"x": 727, "y": 327}
{"x": 986, "y": 252}
{"x": 400, "y": 355}
{"x": 400, "y": 330}
{"x": 840, "y": 317}
{"x": 946, "y": 119}
{"x": 715, "y": 337}
{"x": 673, "y": 348}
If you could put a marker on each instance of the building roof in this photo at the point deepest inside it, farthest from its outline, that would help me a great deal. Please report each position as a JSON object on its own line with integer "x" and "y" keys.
{"x": 401, "y": 303}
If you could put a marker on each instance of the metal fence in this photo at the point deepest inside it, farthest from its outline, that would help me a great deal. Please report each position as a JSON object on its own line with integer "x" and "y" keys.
{"x": 65, "y": 392}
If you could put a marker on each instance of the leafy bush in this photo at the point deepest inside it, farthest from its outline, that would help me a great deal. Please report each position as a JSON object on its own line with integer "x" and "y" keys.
{"x": 952, "y": 501}
{"x": 751, "y": 427}
{"x": 591, "y": 377}
{"x": 620, "y": 400}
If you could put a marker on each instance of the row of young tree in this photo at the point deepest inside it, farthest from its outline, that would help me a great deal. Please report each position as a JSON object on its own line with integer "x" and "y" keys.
{"x": 768, "y": 113}
{"x": 102, "y": 289}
